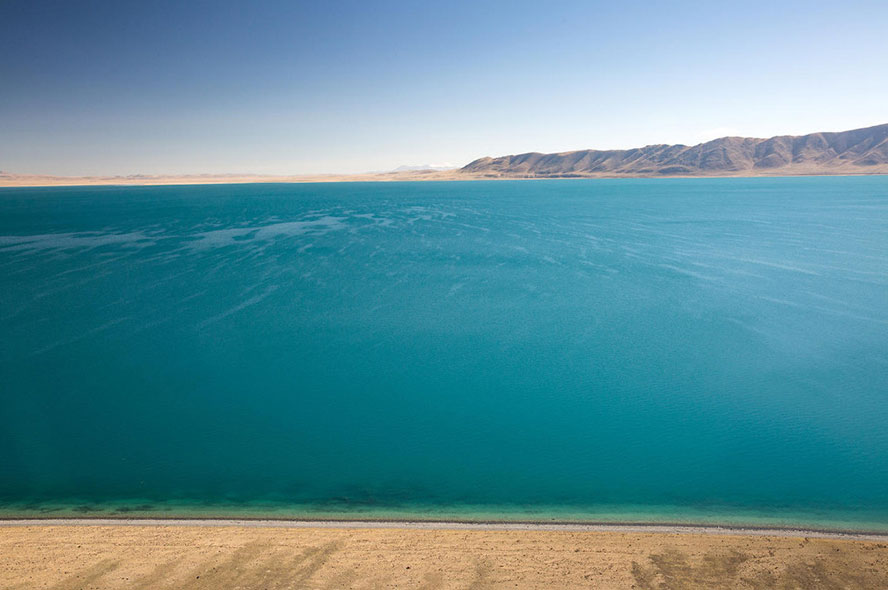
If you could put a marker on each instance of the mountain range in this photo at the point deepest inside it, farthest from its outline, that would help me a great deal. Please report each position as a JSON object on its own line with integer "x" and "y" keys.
{"x": 860, "y": 151}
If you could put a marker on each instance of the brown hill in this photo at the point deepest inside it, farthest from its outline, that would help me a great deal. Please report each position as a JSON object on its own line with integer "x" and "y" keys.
{"x": 860, "y": 151}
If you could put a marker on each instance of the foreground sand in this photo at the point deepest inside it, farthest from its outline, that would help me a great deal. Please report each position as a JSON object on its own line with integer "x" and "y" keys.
{"x": 229, "y": 557}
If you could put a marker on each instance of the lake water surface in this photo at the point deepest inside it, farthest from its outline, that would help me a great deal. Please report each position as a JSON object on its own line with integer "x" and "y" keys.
{"x": 703, "y": 350}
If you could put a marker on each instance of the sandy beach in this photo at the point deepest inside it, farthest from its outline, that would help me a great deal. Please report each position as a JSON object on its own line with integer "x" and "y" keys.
{"x": 278, "y": 554}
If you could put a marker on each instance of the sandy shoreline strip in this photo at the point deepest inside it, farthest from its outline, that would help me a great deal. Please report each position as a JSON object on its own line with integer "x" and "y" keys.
{"x": 445, "y": 525}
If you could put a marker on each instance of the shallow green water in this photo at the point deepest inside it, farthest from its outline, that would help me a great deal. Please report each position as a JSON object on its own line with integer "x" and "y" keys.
{"x": 679, "y": 350}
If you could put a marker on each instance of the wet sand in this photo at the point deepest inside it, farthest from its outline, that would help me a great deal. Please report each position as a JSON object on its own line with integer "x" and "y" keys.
{"x": 260, "y": 554}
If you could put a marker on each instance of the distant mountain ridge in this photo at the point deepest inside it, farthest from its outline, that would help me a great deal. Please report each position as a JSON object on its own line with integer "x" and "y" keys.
{"x": 859, "y": 151}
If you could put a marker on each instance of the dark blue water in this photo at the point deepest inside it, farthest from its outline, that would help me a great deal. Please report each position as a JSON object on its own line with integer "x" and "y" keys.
{"x": 709, "y": 349}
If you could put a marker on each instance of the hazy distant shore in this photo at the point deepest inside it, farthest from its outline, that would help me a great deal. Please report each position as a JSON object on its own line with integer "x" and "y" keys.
{"x": 26, "y": 180}
{"x": 35, "y": 180}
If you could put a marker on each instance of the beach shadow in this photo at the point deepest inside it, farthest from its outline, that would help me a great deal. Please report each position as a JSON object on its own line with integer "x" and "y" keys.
{"x": 829, "y": 568}
{"x": 257, "y": 565}
{"x": 89, "y": 577}
{"x": 483, "y": 578}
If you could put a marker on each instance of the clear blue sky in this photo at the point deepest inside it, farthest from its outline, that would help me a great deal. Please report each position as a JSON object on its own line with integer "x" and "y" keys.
{"x": 121, "y": 87}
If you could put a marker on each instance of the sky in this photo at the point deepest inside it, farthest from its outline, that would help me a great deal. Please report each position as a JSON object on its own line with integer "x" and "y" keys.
{"x": 289, "y": 87}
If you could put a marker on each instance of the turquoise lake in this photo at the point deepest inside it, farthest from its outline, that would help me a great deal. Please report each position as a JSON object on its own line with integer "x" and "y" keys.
{"x": 681, "y": 350}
